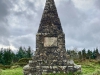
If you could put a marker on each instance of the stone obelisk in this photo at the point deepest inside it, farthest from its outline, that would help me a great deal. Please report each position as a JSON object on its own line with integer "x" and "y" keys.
{"x": 50, "y": 55}
{"x": 50, "y": 39}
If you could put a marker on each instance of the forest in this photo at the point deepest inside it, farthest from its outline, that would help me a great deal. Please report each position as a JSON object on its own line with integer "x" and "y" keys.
{"x": 8, "y": 56}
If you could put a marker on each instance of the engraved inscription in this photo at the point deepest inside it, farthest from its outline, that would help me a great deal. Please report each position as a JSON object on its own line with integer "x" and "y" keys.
{"x": 50, "y": 41}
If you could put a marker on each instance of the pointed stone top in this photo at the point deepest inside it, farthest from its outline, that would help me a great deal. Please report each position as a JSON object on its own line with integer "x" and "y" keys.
{"x": 50, "y": 22}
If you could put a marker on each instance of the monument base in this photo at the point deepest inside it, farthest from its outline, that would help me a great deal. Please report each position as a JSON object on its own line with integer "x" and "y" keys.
{"x": 40, "y": 67}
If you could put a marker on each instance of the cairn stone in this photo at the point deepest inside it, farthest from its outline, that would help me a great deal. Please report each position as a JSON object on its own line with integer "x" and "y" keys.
{"x": 50, "y": 55}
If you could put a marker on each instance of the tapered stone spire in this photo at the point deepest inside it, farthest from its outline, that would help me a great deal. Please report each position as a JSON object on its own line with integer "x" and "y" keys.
{"x": 50, "y": 37}
{"x": 50, "y": 21}
{"x": 50, "y": 55}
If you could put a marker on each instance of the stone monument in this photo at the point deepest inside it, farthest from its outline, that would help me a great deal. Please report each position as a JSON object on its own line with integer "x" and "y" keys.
{"x": 50, "y": 55}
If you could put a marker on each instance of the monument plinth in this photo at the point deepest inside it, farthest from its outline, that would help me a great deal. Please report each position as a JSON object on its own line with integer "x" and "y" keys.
{"x": 50, "y": 55}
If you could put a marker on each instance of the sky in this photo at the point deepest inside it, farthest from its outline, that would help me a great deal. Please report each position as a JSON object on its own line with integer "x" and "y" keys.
{"x": 20, "y": 19}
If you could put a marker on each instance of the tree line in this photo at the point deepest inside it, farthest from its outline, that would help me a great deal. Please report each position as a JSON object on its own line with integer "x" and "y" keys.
{"x": 7, "y": 56}
{"x": 84, "y": 54}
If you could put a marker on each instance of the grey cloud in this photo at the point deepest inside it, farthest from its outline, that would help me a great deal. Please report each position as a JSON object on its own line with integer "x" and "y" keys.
{"x": 70, "y": 15}
{"x": 4, "y": 26}
{"x": 28, "y": 24}
{"x": 4, "y": 41}
{"x": 3, "y": 10}
{"x": 97, "y": 3}
{"x": 30, "y": 20}
{"x": 24, "y": 40}
{"x": 29, "y": 7}
{"x": 79, "y": 31}
{"x": 4, "y": 29}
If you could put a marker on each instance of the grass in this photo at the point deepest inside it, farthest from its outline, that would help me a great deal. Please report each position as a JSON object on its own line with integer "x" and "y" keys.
{"x": 17, "y": 71}
{"x": 88, "y": 68}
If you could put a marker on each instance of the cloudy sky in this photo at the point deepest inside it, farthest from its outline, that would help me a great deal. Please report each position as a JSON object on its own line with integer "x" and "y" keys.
{"x": 20, "y": 19}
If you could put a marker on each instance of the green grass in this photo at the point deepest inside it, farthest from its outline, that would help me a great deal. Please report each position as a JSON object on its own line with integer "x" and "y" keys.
{"x": 88, "y": 68}
{"x": 17, "y": 71}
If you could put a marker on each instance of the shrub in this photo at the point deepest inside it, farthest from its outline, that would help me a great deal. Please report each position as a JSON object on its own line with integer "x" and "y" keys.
{"x": 21, "y": 64}
{"x": 76, "y": 61}
{"x": 24, "y": 61}
{"x": 5, "y": 66}
{"x": 16, "y": 66}
{"x": 97, "y": 62}
{"x": 1, "y": 66}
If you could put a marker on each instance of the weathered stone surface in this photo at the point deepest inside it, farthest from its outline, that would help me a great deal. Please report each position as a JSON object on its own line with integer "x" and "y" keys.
{"x": 50, "y": 55}
{"x": 50, "y": 21}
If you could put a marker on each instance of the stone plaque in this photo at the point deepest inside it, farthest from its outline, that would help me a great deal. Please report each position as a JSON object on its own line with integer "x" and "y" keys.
{"x": 50, "y": 41}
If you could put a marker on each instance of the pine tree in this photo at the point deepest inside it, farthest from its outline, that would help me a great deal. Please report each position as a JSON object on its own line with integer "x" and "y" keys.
{"x": 21, "y": 53}
{"x": 1, "y": 56}
{"x": 7, "y": 56}
{"x": 89, "y": 54}
{"x": 84, "y": 54}
{"x": 29, "y": 52}
{"x": 80, "y": 55}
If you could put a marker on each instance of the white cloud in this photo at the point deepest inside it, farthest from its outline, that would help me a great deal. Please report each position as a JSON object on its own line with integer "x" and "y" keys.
{"x": 84, "y": 5}
{"x": 24, "y": 40}
{"x": 10, "y": 46}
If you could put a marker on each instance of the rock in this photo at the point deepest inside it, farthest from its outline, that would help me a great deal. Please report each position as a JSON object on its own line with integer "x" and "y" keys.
{"x": 26, "y": 70}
